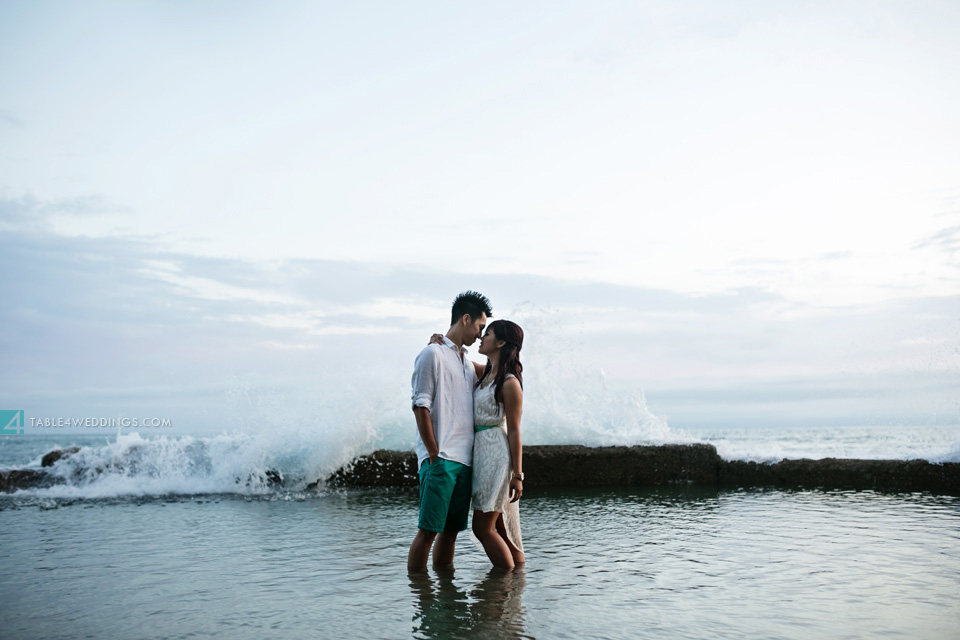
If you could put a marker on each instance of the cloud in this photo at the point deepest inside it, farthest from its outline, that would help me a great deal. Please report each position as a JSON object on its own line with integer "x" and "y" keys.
{"x": 850, "y": 399}
{"x": 837, "y": 255}
{"x": 105, "y": 315}
{"x": 31, "y": 213}
{"x": 946, "y": 240}
{"x": 11, "y": 119}
{"x": 923, "y": 341}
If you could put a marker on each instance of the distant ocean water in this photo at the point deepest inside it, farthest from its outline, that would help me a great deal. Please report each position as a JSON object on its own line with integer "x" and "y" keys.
{"x": 899, "y": 442}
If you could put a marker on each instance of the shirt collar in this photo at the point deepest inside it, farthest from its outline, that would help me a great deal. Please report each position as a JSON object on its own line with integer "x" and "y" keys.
{"x": 450, "y": 344}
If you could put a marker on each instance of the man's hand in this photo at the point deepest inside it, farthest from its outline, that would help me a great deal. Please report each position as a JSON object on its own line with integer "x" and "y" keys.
{"x": 425, "y": 428}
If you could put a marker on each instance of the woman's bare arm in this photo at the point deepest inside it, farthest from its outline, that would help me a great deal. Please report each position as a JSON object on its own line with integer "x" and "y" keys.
{"x": 513, "y": 409}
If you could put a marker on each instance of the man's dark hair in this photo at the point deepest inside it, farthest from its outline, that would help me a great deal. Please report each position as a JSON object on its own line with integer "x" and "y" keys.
{"x": 470, "y": 302}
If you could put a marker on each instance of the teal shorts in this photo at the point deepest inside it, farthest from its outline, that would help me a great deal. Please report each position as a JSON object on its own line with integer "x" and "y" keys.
{"x": 445, "y": 488}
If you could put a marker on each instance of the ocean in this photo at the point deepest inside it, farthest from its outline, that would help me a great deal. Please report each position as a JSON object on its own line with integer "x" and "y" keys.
{"x": 170, "y": 536}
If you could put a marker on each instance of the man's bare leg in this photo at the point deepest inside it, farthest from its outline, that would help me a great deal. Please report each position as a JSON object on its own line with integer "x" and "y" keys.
{"x": 420, "y": 550}
{"x": 443, "y": 551}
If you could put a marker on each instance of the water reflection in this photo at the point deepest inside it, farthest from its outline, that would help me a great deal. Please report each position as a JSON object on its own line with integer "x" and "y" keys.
{"x": 498, "y": 606}
{"x": 439, "y": 605}
{"x": 493, "y": 608}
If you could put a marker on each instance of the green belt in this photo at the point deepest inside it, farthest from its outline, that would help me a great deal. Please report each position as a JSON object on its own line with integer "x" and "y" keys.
{"x": 477, "y": 428}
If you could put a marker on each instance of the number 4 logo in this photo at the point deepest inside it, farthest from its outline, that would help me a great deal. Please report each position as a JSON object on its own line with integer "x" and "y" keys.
{"x": 11, "y": 421}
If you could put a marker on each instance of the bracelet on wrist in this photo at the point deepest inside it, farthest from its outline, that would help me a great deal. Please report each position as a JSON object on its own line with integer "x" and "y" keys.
{"x": 517, "y": 476}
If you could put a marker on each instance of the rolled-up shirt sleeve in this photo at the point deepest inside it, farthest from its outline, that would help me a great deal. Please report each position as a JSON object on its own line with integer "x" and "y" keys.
{"x": 424, "y": 381}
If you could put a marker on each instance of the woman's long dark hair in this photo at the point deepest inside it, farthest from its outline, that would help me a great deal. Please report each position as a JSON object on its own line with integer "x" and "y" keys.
{"x": 512, "y": 335}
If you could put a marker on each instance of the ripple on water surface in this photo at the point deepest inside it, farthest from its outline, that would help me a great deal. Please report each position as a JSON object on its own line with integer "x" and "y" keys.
{"x": 613, "y": 564}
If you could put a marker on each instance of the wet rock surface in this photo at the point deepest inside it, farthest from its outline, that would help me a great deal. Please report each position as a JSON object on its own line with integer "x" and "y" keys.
{"x": 49, "y": 459}
{"x": 12, "y": 480}
{"x": 694, "y": 464}
{"x": 834, "y": 473}
{"x": 16, "y": 479}
{"x": 579, "y": 466}
{"x": 382, "y": 468}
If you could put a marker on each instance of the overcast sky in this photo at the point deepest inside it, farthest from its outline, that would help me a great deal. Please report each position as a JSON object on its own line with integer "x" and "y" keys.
{"x": 749, "y": 210}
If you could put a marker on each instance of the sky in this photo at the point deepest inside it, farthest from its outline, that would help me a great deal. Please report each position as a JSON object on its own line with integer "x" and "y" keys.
{"x": 749, "y": 212}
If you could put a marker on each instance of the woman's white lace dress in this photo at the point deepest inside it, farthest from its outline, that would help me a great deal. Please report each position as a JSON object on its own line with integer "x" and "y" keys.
{"x": 491, "y": 461}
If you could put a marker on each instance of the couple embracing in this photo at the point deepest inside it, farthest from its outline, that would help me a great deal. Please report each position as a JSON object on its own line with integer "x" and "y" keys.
{"x": 468, "y": 437}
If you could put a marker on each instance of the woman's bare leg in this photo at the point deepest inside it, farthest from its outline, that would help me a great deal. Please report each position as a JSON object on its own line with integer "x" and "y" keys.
{"x": 484, "y": 527}
{"x": 518, "y": 557}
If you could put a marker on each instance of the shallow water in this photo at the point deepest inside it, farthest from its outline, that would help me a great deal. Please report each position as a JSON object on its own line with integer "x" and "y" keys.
{"x": 601, "y": 564}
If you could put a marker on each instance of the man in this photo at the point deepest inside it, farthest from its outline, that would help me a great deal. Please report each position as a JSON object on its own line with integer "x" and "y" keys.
{"x": 443, "y": 382}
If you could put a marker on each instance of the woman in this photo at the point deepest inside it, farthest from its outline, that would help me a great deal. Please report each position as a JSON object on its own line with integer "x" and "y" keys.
{"x": 497, "y": 448}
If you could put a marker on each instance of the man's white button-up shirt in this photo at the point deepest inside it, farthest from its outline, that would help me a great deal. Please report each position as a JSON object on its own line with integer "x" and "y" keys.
{"x": 443, "y": 383}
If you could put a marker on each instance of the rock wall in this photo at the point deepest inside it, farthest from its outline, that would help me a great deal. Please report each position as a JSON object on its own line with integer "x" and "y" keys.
{"x": 834, "y": 473}
{"x": 579, "y": 466}
{"x": 695, "y": 464}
